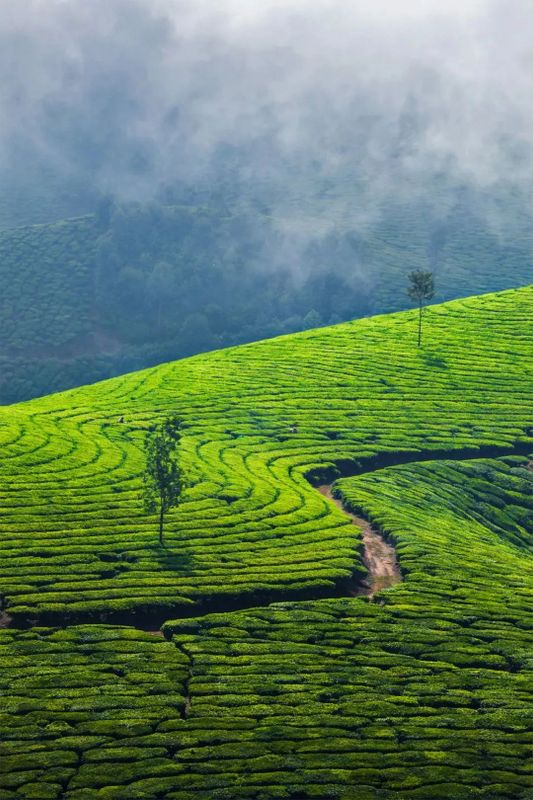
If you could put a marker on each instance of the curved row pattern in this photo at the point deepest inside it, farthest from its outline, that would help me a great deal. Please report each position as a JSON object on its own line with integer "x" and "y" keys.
{"x": 75, "y": 542}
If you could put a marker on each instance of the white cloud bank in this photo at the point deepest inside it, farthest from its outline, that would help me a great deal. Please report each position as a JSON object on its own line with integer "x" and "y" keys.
{"x": 132, "y": 93}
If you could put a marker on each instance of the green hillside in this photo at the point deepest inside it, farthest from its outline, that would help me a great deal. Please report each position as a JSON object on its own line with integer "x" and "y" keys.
{"x": 297, "y": 687}
{"x": 134, "y": 285}
{"x": 46, "y": 287}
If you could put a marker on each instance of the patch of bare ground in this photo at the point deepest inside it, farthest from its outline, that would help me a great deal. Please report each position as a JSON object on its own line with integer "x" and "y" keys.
{"x": 5, "y": 620}
{"x": 379, "y": 556}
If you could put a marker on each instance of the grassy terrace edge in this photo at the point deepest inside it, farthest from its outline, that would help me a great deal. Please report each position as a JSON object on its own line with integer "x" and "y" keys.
{"x": 424, "y": 694}
{"x": 76, "y": 544}
{"x": 154, "y": 617}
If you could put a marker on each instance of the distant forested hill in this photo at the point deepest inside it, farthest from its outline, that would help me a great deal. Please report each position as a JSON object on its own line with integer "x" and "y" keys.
{"x": 132, "y": 285}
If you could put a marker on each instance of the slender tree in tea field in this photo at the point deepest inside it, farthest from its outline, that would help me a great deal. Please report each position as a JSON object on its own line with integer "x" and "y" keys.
{"x": 163, "y": 481}
{"x": 421, "y": 289}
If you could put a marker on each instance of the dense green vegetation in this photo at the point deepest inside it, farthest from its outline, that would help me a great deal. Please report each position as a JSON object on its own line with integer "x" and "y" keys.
{"x": 37, "y": 194}
{"x": 46, "y": 287}
{"x": 91, "y": 694}
{"x": 71, "y": 472}
{"x": 423, "y": 693}
{"x": 134, "y": 285}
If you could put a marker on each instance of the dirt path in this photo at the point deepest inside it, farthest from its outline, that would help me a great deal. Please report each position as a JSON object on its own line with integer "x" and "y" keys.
{"x": 379, "y": 557}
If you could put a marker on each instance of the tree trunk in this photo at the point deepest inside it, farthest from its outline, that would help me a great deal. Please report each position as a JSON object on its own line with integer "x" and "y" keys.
{"x": 420, "y": 324}
{"x": 161, "y": 515}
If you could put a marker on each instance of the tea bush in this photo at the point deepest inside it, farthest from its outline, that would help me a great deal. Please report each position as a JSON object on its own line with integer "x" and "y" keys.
{"x": 75, "y": 540}
{"x": 425, "y": 692}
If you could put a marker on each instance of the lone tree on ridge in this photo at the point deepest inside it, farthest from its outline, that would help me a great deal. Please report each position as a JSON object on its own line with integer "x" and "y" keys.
{"x": 163, "y": 480}
{"x": 421, "y": 288}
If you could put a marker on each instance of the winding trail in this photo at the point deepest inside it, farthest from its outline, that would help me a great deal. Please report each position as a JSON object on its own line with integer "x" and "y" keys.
{"x": 379, "y": 556}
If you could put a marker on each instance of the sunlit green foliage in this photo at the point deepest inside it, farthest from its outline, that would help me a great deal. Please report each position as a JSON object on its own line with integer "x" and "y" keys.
{"x": 79, "y": 707}
{"x": 74, "y": 538}
{"x": 163, "y": 480}
{"x": 422, "y": 694}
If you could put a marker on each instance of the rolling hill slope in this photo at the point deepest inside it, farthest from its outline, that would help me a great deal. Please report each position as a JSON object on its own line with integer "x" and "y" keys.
{"x": 133, "y": 285}
{"x": 422, "y": 692}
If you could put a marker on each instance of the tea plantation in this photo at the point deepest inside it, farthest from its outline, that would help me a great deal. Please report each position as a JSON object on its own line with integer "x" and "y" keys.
{"x": 293, "y": 688}
{"x": 133, "y": 285}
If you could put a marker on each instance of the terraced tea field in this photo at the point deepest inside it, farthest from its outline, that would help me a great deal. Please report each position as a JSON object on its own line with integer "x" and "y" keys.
{"x": 422, "y": 691}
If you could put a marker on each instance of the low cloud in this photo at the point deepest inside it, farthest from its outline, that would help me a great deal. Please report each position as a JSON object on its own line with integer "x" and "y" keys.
{"x": 291, "y": 97}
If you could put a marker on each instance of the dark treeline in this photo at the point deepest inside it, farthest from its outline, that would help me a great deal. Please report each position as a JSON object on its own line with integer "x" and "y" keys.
{"x": 137, "y": 284}
{"x": 201, "y": 277}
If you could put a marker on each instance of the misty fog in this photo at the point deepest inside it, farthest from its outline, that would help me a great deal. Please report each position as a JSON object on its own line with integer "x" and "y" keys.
{"x": 131, "y": 95}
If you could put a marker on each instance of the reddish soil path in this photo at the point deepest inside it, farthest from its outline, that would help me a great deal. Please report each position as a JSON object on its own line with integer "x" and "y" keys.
{"x": 379, "y": 557}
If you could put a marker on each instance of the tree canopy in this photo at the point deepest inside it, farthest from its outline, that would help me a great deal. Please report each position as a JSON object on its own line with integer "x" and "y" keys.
{"x": 163, "y": 478}
{"x": 421, "y": 288}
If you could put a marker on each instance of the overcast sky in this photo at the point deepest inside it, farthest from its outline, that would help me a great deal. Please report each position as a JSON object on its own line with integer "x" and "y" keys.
{"x": 134, "y": 92}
